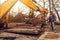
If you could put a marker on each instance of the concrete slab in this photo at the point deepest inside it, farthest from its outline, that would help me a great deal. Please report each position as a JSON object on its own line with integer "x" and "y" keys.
{"x": 12, "y": 36}
{"x": 28, "y": 31}
{"x": 49, "y": 36}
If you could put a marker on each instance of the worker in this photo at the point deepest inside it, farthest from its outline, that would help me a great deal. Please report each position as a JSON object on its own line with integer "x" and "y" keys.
{"x": 52, "y": 19}
{"x": 43, "y": 21}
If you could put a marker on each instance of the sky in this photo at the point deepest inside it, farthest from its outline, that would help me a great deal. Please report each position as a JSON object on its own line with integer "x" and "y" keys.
{"x": 2, "y": 1}
{"x": 20, "y": 7}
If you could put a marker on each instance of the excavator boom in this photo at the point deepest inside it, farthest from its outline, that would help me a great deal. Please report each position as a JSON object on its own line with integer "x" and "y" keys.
{"x": 4, "y": 8}
{"x": 30, "y": 4}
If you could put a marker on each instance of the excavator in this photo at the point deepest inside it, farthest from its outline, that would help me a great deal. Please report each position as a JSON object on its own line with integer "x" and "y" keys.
{"x": 6, "y": 6}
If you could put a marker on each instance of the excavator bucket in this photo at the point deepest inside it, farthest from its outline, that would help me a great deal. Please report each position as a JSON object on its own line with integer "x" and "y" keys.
{"x": 6, "y": 7}
{"x": 30, "y": 4}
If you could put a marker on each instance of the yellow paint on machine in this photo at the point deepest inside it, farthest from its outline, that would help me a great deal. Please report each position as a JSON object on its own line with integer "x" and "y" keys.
{"x": 30, "y": 4}
{"x": 6, "y": 20}
{"x": 6, "y": 6}
{"x": 9, "y": 3}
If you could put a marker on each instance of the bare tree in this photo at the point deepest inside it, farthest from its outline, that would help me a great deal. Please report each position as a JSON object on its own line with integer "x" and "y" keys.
{"x": 55, "y": 8}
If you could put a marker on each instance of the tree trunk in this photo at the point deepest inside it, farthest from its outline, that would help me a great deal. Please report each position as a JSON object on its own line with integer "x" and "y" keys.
{"x": 55, "y": 9}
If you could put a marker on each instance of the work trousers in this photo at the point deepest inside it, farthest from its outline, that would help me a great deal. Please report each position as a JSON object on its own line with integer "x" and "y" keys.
{"x": 53, "y": 26}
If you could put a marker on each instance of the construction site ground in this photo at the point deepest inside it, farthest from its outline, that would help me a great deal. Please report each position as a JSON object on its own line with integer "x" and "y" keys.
{"x": 48, "y": 34}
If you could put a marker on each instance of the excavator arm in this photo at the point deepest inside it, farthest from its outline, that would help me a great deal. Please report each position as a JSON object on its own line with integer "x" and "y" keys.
{"x": 32, "y": 5}
{"x": 9, "y": 3}
{"x": 4, "y": 8}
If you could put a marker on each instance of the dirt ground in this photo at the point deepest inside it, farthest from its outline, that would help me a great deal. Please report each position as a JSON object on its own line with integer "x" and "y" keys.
{"x": 49, "y": 35}
{"x": 14, "y": 36}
